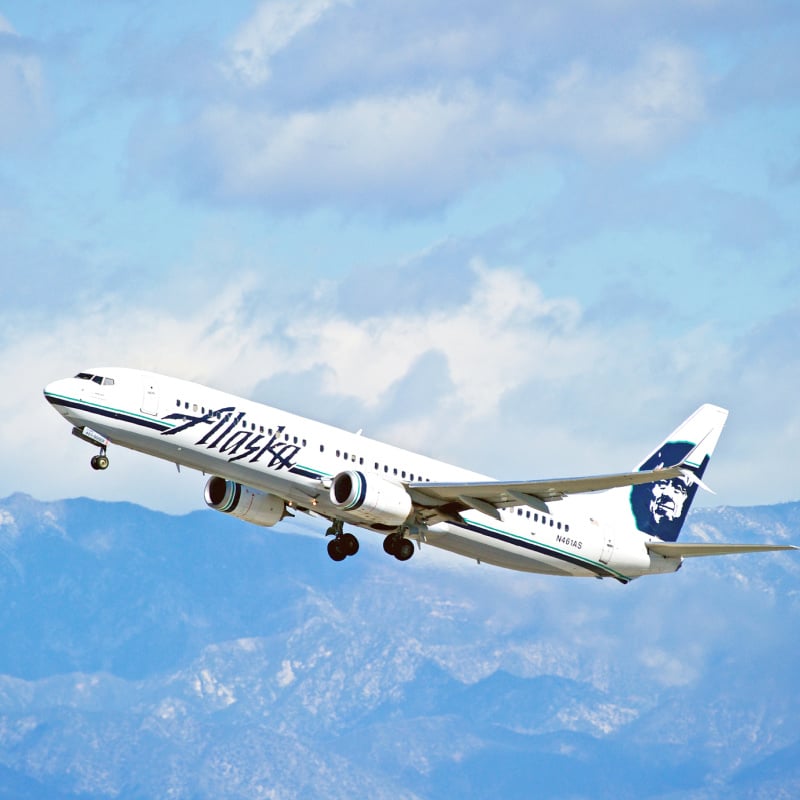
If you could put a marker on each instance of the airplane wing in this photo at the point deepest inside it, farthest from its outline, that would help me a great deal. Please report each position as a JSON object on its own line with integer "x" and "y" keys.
{"x": 488, "y": 496}
{"x": 691, "y": 549}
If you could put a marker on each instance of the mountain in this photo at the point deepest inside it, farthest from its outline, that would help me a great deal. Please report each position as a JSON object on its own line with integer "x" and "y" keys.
{"x": 146, "y": 655}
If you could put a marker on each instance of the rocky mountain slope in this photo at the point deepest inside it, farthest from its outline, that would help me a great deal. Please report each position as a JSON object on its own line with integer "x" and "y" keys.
{"x": 145, "y": 655}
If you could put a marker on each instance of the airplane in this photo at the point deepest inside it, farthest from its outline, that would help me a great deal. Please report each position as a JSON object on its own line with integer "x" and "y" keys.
{"x": 266, "y": 464}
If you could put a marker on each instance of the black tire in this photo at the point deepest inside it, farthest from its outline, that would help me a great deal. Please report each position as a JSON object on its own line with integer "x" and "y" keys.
{"x": 349, "y": 544}
{"x": 404, "y": 550}
{"x": 390, "y": 543}
{"x": 336, "y": 551}
{"x": 102, "y": 462}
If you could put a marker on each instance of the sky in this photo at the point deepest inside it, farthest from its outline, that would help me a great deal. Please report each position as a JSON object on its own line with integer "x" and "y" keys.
{"x": 528, "y": 238}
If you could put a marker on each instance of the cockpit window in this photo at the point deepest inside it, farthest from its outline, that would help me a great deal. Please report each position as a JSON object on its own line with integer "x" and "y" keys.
{"x": 98, "y": 379}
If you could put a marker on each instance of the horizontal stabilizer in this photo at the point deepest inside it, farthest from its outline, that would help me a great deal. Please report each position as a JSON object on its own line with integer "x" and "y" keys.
{"x": 691, "y": 549}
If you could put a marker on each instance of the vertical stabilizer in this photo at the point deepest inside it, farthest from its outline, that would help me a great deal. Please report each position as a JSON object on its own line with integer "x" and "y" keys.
{"x": 660, "y": 508}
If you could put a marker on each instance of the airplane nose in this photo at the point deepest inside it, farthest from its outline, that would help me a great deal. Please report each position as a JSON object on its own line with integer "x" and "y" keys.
{"x": 54, "y": 389}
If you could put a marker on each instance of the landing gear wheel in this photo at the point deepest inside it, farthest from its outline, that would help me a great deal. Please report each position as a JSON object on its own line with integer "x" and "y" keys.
{"x": 99, "y": 462}
{"x": 349, "y": 544}
{"x": 336, "y": 550}
{"x": 404, "y": 550}
{"x": 342, "y": 544}
{"x": 398, "y": 546}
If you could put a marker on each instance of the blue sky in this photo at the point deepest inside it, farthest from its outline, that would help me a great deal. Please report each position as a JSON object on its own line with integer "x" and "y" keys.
{"x": 526, "y": 237}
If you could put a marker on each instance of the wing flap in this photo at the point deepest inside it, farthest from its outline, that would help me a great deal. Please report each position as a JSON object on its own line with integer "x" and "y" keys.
{"x": 693, "y": 549}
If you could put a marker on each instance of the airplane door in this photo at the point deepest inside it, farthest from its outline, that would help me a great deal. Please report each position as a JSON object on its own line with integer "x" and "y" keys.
{"x": 150, "y": 399}
{"x": 607, "y": 551}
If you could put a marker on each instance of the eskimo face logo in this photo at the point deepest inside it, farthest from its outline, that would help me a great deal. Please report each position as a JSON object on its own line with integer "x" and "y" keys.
{"x": 660, "y": 507}
{"x": 668, "y": 500}
{"x": 229, "y": 436}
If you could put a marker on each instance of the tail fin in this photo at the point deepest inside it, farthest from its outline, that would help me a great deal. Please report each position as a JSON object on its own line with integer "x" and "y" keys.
{"x": 660, "y": 508}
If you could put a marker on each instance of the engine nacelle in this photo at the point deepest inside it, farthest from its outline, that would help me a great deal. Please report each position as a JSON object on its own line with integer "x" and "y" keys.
{"x": 374, "y": 499}
{"x": 243, "y": 502}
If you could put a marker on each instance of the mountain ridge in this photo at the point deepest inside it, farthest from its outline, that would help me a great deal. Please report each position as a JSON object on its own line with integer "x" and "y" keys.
{"x": 198, "y": 656}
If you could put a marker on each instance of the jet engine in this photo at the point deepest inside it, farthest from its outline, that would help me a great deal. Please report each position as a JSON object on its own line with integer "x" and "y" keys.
{"x": 374, "y": 500}
{"x": 243, "y": 502}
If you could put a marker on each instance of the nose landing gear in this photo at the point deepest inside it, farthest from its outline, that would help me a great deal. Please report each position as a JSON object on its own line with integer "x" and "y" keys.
{"x": 86, "y": 434}
{"x": 100, "y": 461}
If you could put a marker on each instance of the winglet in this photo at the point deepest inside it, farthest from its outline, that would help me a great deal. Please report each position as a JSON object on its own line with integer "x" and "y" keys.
{"x": 691, "y": 477}
{"x": 691, "y": 464}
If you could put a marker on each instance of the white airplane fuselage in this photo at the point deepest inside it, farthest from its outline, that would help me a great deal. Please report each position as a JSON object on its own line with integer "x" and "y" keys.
{"x": 294, "y": 460}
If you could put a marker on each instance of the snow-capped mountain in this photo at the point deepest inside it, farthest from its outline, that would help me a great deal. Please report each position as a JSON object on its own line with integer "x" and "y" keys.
{"x": 145, "y": 655}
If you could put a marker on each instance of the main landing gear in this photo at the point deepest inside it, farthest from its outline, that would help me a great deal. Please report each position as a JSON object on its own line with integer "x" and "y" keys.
{"x": 343, "y": 544}
{"x": 398, "y": 546}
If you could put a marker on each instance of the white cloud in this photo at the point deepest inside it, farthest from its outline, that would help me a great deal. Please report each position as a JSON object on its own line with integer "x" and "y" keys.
{"x": 22, "y": 103}
{"x": 268, "y": 31}
{"x": 481, "y": 340}
{"x": 639, "y": 108}
{"x": 420, "y": 148}
{"x": 531, "y": 386}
